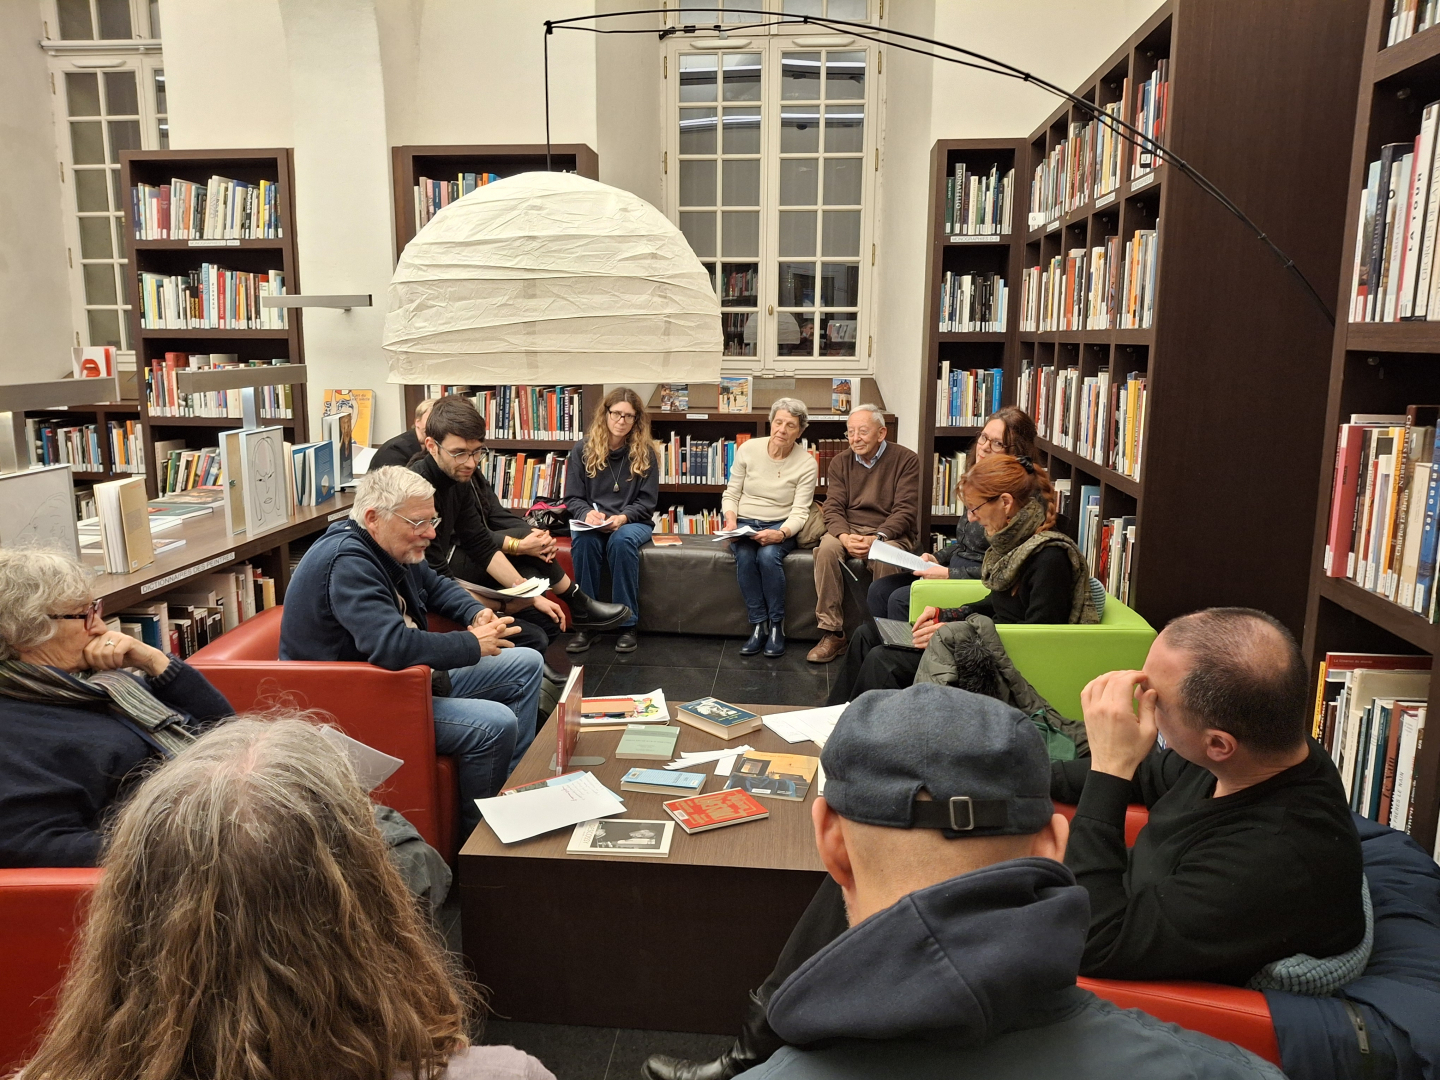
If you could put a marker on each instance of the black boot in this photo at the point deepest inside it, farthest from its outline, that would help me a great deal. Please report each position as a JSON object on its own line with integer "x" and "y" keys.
{"x": 756, "y": 641}
{"x": 590, "y": 614}
{"x": 583, "y": 640}
{"x": 775, "y": 643}
{"x": 753, "y": 1046}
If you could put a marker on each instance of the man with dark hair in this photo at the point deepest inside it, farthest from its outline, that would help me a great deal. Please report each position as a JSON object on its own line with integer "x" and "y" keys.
{"x": 469, "y": 546}
{"x": 1250, "y": 855}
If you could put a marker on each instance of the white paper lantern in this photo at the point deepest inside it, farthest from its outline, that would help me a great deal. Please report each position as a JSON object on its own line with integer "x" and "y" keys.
{"x": 550, "y": 277}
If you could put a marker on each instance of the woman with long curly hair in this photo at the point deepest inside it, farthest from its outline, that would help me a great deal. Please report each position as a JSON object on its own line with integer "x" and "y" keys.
{"x": 250, "y": 926}
{"x": 612, "y": 483}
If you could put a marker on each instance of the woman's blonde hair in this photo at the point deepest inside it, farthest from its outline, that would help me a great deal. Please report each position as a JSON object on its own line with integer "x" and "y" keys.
{"x": 597, "y": 439}
{"x": 250, "y": 926}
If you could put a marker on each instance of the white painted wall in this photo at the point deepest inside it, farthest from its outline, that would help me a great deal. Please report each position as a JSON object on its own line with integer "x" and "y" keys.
{"x": 34, "y": 281}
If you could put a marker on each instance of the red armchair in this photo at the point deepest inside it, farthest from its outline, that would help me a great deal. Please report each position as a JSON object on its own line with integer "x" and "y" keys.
{"x": 40, "y": 910}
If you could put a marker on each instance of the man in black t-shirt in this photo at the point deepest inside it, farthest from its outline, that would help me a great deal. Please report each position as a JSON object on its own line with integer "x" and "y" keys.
{"x": 1250, "y": 854}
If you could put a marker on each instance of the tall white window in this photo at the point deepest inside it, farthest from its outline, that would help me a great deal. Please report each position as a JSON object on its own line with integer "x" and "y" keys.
{"x": 107, "y": 84}
{"x": 770, "y": 174}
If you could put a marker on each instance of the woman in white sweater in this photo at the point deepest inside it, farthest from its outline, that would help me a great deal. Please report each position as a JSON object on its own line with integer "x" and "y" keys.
{"x": 771, "y": 486}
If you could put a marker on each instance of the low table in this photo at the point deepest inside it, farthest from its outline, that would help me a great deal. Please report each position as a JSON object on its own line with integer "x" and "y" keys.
{"x": 671, "y": 944}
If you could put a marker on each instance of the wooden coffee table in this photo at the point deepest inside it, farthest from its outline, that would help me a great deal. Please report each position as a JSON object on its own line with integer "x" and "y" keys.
{"x": 671, "y": 944}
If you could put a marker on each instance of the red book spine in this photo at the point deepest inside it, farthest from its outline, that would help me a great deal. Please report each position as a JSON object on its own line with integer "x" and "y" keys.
{"x": 1342, "y": 501}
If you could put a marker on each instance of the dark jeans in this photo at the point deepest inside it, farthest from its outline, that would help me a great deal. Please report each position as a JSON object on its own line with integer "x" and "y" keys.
{"x": 589, "y": 551}
{"x": 870, "y": 664}
{"x": 761, "y": 570}
{"x": 889, "y": 597}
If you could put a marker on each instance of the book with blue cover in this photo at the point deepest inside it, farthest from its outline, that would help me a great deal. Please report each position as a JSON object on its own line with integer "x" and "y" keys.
{"x": 663, "y": 782}
{"x": 319, "y": 473}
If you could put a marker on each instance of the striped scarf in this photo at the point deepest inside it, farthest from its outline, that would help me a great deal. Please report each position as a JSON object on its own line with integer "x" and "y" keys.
{"x": 133, "y": 700}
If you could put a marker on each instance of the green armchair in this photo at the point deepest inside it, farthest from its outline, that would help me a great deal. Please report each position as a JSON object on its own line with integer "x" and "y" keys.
{"x": 1057, "y": 658}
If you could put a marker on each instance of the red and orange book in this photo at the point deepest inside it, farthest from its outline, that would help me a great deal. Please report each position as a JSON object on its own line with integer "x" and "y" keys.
{"x": 699, "y": 813}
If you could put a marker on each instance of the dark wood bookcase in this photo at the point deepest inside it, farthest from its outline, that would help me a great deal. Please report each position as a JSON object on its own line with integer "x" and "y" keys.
{"x": 180, "y": 256}
{"x": 101, "y": 416}
{"x": 1378, "y": 368}
{"x": 1260, "y": 103}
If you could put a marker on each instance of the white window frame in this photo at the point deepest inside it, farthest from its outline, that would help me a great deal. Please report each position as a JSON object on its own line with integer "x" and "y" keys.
{"x": 770, "y": 42}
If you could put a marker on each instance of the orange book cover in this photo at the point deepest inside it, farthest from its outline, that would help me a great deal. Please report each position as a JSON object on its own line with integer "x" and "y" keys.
{"x": 718, "y": 808}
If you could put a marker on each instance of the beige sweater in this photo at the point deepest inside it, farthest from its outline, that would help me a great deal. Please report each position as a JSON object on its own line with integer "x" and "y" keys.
{"x": 764, "y": 489}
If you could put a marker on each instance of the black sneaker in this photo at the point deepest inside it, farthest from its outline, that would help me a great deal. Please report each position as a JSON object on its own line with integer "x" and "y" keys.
{"x": 627, "y": 642}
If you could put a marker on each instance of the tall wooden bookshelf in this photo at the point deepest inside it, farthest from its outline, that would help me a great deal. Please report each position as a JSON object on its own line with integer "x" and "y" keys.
{"x": 158, "y": 167}
{"x": 962, "y": 254}
{"x": 1259, "y": 101}
{"x": 1378, "y": 368}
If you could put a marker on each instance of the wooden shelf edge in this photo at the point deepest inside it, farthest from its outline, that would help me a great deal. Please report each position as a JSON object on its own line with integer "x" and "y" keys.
{"x": 1410, "y": 337}
{"x": 1416, "y": 49}
{"x": 215, "y": 421}
{"x": 268, "y": 244}
{"x": 1104, "y": 474}
{"x": 1373, "y": 607}
{"x": 216, "y": 334}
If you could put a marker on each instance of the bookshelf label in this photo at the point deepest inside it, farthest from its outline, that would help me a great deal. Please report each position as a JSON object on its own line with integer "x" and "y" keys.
{"x": 1144, "y": 181}
{"x": 190, "y": 571}
{"x": 213, "y": 243}
{"x": 1053, "y": 225}
{"x": 697, "y": 416}
{"x": 338, "y": 514}
{"x": 977, "y": 238}
{"x": 1104, "y": 201}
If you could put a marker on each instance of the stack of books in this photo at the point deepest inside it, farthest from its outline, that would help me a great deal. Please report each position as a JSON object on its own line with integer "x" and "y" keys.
{"x": 966, "y": 398}
{"x": 973, "y": 303}
{"x": 979, "y": 204}
{"x": 679, "y": 520}
{"x": 947, "y": 472}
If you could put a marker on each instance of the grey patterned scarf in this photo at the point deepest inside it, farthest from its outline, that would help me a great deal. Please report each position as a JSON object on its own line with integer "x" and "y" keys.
{"x": 51, "y": 686}
{"x": 1021, "y": 538}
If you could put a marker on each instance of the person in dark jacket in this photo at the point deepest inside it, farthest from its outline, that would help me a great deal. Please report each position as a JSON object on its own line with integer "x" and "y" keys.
{"x": 966, "y": 929}
{"x": 403, "y": 447}
{"x": 467, "y": 545}
{"x": 362, "y": 592}
{"x": 612, "y": 483}
{"x": 83, "y": 711}
{"x": 1035, "y": 574}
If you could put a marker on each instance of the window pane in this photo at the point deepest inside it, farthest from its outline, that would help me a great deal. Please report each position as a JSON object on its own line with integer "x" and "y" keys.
{"x": 699, "y": 230}
{"x": 90, "y": 194}
{"x": 697, "y": 183}
{"x": 692, "y": 10}
{"x": 114, "y": 19}
{"x": 104, "y": 327}
{"x": 160, "y": 106}
{"x": 87, "y": 144}
{"x": 842, "y": 181}
{"x": 804, "y": 7}
{"x": 841, "y": 229}
{"x": 99, "y": 283}
{"x": 840, "y": 285}
{"x": 795, "y": 333}
{"x": 119, "y": 236}
{"x": 797, "y": 233}
{"x": 117, "y": 199}
{"x": 162, "y": 132}
{"x": 82, "y": 93}
{"x": 837, "y": 333}
{"x": 799, "y": 131}
{"x": 839, "y": 9}
{"x": 844, "y": 76}
{"x": 742, "y": 76}
{"x": 799, "y": 179}
{"x": 800, "y": 76}
{"x": 740, "y": 235}
{"x": 154, "y": 18}
{"x": 710, "y": 269}
{"x": 75, "y": 22}
{"x": 738, "y": 284}
{"x": 739, "y": 333}
{"x": 742, "y": 131}
{"x": 697, "y": 131}
{"x": 742, "y": 183}
{"x": 697, "y": 77}
{"x": 844, "y": 129}
{"x": 124, "y": 135}
{"x": 120, "y": 96}
{"x": 797, "y": 284}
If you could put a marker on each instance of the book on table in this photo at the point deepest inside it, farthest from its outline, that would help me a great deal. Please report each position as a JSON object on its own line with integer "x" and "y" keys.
{"x": 124, "y": 525}
{"x": 701, "y": 813}
{"x": 774, "y": 776}
{"x": 662, "y": 781}
{"x": 718, "y": 718}
{"x": 648, "y": 742}
{"x": 622, "y": 836}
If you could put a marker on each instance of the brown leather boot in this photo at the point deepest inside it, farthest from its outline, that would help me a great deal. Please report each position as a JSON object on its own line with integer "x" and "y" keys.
{"x": 828, "y": 648}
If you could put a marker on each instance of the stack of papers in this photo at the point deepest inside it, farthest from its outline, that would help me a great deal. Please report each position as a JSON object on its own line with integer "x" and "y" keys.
{"x": 531, "y": 587}
{"x": 730, "y": 534}
{"x": 813, "y": 725}
{"x": 724, "y": 759}
{"x": 649, "y": 709}
{"x": 524, "y": 814}
{"x": 880, "y": 551}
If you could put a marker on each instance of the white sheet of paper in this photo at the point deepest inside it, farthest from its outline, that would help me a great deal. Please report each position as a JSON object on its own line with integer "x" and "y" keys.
{"x": 781, "y": 725}
{"x": 703, "y": 757}
{"x": 360, "y": 460}
{"x": 372, "y": 767}
{"x": 812, "y": 724}
{"x": 880, "y": 551}
{"x": 729, "y": 534}
{"x": 580, "y": 526}
{"x": 724, "y": 765}
{"x": 531, "y": 813}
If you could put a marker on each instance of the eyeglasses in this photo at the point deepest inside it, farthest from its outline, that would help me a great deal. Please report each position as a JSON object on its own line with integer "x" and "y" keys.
{"x": 971, "y": 511}
{"x": 93, "y": 610}
{"x": 859, "y": 433}
{"x": 994, "y": 444}
{"x": 620, "y": 416}
{"x": 423, "y": 523}
{"x": 465, "y": 455}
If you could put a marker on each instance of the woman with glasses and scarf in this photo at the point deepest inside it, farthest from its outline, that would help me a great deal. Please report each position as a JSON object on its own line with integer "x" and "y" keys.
{"x": 82, "y": 710}
{"x": 1035, "y": 573}
{"x": 612, "y": 483}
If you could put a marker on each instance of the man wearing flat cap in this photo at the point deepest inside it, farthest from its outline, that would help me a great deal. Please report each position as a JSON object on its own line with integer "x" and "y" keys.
{"x": 966, "y": 928}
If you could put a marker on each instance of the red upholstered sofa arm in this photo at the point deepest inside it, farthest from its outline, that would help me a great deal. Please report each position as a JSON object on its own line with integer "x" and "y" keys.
{"x": 1226, "y": 1012}
{"x": 257, "y": 638}
{"x": 1135, "y": 818}
{"x": 40, "y": 911}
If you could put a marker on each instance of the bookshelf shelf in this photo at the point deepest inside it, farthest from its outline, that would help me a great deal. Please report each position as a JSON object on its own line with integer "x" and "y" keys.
{"x": 956, "y": 432}
{"x": 1406, "y": 337}
{"x": 219, "y": 246}
{"x": 707, "y": 489}
{"x": 1402, "y": 57}
{"x": 558, "y": 445}
{"x": 215, "y": 335}
{"x": 216, "y": 421}
{"x": 1107, "y": 476}
{"x": 976, "y": 336}
{"x": 79, "y": 416}
{"x": 1392, "y": 618}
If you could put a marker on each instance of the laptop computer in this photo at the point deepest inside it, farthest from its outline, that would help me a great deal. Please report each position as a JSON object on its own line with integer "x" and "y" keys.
{"x": 896, "y": 633}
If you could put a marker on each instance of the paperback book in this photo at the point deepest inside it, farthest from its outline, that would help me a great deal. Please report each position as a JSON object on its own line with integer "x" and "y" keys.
{"x": 715, "y": 810}
{"x": 662, "y": 781}
{"x": 718, "y": 718}
{"x": 622, "y": 836}
{"x": 774, "y": 776}
{"x": 648, "y": 742}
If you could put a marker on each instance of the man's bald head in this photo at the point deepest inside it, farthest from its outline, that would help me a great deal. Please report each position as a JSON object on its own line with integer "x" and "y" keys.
{"x": 1246, "y": 677}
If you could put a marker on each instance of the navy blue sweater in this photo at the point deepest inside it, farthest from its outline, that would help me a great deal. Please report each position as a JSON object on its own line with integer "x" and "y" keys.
{"x": 636, "y": 495}
{"x": 344, "y": 603}
{"x": 63, "y": 768}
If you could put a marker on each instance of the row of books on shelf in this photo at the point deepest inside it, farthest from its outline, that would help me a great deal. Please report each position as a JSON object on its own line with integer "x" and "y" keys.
{"x": 1084, "y": 164}
{"x": 979, "y": 204}
{"x": 966, "y": 398}
{"x": 432, "y": 196}
{"x": 79, "y": 445}
{"x": 191, "y": 617}
{"x": 1383, "y": 531}
{"x": 220, "y": 209}
{"x": 162, "y": 398}
{"x": 946, "y": 472}
{"x": 520, "y": 479}
{"x": 687, "y": 460}
{"x": 973, "y": 303}
{"x": 180, "y": 468}
{"x": 679, "y": 521}
{"x": 1107, "y": 543}
{"x": 1370, "y": 715}
{"x": 211, "y": 297}
{"x": 532, "y": 412}
{"x": 1096, "y": 417}
{"x": 1152, "y": 113}
{"x": 1409, "y": 17}
{"x": 1393, "y": 274}
{"x": 1095, "y": 290}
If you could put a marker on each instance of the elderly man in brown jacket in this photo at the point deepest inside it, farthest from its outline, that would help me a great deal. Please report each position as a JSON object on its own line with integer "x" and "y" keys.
{"x": 872, "y": 492}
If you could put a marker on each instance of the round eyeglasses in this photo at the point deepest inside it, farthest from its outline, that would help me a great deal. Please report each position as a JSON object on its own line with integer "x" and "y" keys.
{"x": 93, "y": 610}
{"x": 620, "y": 416}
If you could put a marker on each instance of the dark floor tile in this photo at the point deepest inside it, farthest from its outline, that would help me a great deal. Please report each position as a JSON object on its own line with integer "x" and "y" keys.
{"x": 674, "y": 650}
{"x": 558, "y": 658}
{"x": 633, "y": 1047}
{"x": 680, "y": 684}
{"x": 571, "y": 1053}
{"x": 793, "y": 660}
{"x": 776, "y": 687}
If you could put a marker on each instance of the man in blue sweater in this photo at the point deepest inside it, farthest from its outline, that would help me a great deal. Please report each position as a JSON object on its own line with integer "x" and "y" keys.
{"x": 362, "y": 592}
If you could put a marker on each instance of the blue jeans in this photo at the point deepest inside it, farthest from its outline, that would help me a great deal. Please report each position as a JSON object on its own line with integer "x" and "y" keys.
{"x": 760, "y": 568}
{"x": 590, "y": 550}
{"x": 488, "y": 723}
